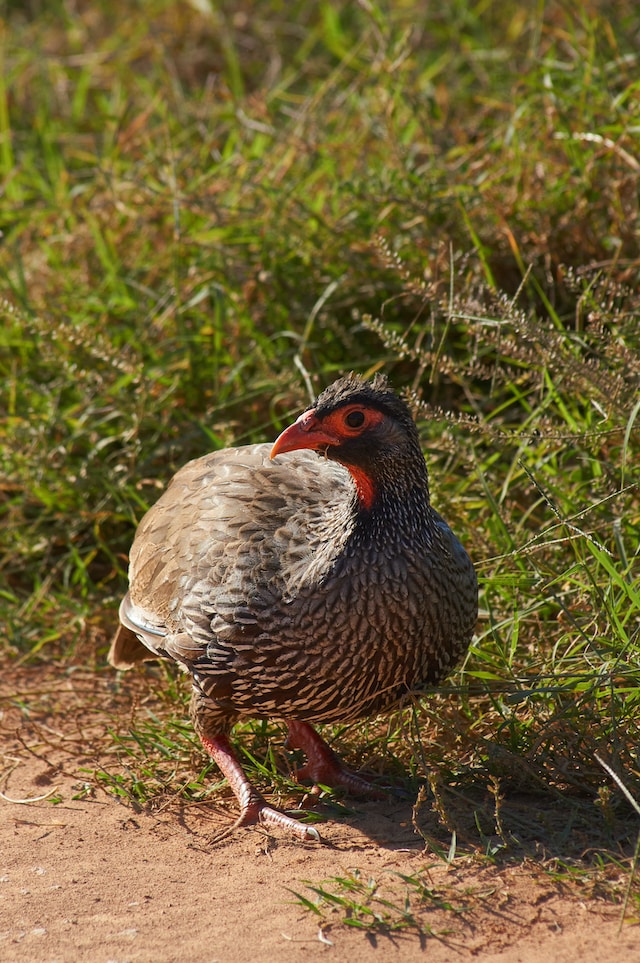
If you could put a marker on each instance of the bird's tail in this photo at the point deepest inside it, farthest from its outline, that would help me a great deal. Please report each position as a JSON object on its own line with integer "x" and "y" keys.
{"x": 127, "y": 650}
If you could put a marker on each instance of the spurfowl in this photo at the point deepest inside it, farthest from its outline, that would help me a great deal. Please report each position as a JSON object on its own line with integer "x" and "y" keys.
{"x": 311, "y": 581}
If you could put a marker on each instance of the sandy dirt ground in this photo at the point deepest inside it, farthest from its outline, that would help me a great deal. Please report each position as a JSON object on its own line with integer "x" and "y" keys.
{"x": 89, "y": 879}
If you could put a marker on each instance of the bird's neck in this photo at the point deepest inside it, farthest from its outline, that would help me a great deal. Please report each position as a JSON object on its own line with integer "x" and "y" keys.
{"x": 366, "y": 492}
{"x": 388, "y": 505}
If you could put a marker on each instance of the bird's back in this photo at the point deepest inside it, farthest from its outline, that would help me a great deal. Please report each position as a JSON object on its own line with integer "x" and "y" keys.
{"x": 232, "y": 531}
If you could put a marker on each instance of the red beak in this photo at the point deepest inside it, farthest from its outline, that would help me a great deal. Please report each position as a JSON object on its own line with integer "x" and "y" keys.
{"x": 306, "y": 432}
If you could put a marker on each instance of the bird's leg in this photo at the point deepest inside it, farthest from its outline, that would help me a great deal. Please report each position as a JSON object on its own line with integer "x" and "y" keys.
{"x": 323, "y": 765}
{"x": 253, "y": 806}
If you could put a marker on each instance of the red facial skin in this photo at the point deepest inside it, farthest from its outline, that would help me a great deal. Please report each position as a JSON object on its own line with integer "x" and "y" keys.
{"x": 318, "y": 434}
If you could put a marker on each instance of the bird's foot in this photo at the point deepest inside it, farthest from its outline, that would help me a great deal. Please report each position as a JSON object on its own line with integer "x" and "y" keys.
{"x": 324, "y": 767}
{"x": 258, "y": 812}
{"x": 254, "y": 809}
{"x": 262, "y": 814}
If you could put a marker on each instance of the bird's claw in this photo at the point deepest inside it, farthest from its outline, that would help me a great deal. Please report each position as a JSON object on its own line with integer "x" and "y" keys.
{"x": 258, "y": 812}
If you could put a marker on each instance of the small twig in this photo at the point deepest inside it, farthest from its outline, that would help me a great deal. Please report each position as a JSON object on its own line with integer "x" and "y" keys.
{"x": 618, "y": 781}
{"x": 634, "y": 863}
{"x": 31, "y": 799}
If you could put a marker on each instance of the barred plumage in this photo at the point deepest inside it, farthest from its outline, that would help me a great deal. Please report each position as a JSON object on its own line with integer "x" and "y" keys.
{"x": 308, "y": 588}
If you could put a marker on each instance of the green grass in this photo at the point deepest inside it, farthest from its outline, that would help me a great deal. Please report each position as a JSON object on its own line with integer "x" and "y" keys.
{"x": 202, "y": 215}
{"x": 364, "y": 904}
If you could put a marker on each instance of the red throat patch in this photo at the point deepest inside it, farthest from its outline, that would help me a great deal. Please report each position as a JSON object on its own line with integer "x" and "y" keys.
{"x": 364, "y": 486}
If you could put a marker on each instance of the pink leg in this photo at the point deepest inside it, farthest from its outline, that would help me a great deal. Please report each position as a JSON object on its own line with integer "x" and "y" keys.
{"x": 323, "y": 764}
{"x": 253, "y": 806}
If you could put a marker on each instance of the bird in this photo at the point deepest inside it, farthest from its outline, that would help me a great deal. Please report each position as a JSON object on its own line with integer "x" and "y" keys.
{"x": 310, "y": 581}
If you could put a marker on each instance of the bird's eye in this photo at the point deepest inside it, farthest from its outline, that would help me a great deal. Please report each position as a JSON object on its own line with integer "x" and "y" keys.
{"x": 355, "y": 419}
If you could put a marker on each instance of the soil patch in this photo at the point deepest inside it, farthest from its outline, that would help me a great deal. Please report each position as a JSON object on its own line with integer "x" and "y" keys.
{"x": 88, "y": 879}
